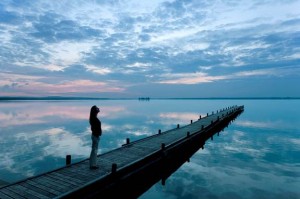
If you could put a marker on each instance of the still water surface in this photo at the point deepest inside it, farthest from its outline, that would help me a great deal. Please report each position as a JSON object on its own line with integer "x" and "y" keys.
{"x": 257, "y": 156}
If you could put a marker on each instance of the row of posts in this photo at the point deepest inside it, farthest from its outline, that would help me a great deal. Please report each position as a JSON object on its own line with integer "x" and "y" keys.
{"x": 202, "y": 127}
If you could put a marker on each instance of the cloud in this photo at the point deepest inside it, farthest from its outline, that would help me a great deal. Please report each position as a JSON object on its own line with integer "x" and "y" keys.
{"x": 34, "y": 85}
{"x": 201, "y": 77}
{"x": 161, "y": 41}
{"x": 98, "y": 70}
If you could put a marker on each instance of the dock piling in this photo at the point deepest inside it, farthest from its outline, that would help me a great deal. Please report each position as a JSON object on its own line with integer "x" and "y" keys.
{"x": 68, "y": 160}
{"x": 188, "y": 134}
{"x": 163, "y": 146}
{"x": 113, "y": 168}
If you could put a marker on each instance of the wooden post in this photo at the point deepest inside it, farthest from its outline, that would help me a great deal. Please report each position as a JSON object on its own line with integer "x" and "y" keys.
{"x": 191, "y": 121}
{"x": 114, "y": 168}
{"x": 68, "y": 160}
{"x": 200, "y": 117}
{"x": 163, "y": 146}
{"x": 127, "y": 141}
{"x": 178, "y": 126}
{"x": 159, "y": 131}
{"x": 188, "y": 134}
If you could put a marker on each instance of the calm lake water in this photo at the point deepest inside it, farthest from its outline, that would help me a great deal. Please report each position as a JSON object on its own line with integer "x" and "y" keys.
{"x": 257, "y": 156}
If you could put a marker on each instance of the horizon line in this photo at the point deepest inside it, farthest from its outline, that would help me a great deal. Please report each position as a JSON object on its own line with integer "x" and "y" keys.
{"x": 130, "y": 98}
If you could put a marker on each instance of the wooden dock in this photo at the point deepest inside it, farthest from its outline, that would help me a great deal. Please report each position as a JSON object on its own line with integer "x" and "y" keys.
{"x": 132, "y": 168}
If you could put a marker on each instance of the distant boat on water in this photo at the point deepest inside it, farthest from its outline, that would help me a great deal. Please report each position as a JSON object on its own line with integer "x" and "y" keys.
{"x": 144, "y": 98}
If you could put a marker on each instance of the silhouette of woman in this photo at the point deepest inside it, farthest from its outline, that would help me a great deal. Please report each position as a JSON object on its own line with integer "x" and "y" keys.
{"x": 96, "y": 133}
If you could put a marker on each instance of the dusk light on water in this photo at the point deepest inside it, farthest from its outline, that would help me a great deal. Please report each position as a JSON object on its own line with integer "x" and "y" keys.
{"x": 255, "y": 157}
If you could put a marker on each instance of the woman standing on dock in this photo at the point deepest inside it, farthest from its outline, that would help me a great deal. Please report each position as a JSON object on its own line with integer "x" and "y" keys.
{"x": 96, "y": 133}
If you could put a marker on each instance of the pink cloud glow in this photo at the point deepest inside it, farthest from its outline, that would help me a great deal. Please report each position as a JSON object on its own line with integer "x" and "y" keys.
{"x": 26, "y": 85}
{"x": 77, "y": 86}
{"x": 22, "y": 114}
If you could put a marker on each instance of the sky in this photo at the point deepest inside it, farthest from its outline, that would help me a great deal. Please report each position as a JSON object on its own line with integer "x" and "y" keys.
{"x": 157, "y": 48}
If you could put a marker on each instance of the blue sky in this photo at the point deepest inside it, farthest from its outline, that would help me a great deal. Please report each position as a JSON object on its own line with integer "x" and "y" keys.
{"x": 157, "y": 48}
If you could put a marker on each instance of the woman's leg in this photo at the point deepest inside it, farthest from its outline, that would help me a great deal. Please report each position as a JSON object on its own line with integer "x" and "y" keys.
{"x": 94, "y": 151}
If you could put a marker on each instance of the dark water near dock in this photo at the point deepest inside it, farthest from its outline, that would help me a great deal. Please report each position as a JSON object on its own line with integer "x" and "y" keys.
{"x": 257, "y": 156}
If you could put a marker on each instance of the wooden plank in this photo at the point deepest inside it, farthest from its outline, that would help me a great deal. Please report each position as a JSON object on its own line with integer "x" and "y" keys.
{"x": 103, "y": 170}
{"x": 64, "y": 181}
{"x": 69, "y": 178}
{"x": 130, "y": 155}
{"x": 56, "y": 182}
{"x": 136, "y": 148}
{"x": 82, "y": 170}
{"x": 44, "y": 187}
{"x": 22, "y": 191}
{"x": 106, "y": 161}
{"x": 150, "y": 147}
{"x": 40, "y": 192}
{"x": 48, "y": 182}
{"x": 122, "y": 157}
{"x": 11, "y": 193}
{"x": 4, "y": 196}
{"x": 78, "y": 175}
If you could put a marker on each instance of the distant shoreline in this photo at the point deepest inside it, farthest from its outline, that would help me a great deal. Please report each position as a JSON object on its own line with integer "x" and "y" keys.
{"x": 170, "y": 98}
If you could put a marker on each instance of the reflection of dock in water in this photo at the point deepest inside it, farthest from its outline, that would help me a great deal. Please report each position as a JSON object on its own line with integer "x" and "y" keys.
{"x": 127, "y": 171}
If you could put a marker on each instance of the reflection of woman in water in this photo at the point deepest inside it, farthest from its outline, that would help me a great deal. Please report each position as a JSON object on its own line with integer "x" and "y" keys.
{"x": 96, "y": 133}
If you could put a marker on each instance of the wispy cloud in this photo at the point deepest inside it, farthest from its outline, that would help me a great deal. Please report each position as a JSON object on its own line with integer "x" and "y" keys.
{"x": 201, "y": 77}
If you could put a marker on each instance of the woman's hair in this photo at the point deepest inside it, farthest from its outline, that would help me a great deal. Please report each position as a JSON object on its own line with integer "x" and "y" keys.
{"x": 93, "y": 113}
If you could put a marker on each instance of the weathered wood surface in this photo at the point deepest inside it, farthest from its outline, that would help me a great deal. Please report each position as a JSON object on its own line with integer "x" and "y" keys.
{"x": 61, "y": 182}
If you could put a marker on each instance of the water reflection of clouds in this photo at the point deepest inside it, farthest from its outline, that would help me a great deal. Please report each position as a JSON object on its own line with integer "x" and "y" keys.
{"x": 239, "y": 175}
{"x": 22, "y": 152}
{"x": 27, "y": 115}
{"x": 9, "y": 119}
{"x": 62, "y": 142}
{"x": 207, "y": 174}
{"x": 295, "y": 141}
{"x": 179, "y": 117}
{"x": 142, "y": 132}
{"x": 266, "y": 125}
